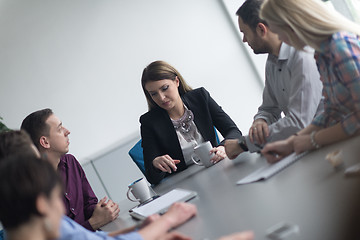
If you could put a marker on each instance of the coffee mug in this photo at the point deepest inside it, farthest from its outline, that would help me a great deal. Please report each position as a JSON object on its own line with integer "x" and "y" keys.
{"x": 202, "y": 152}
{"x": 140, "y": 190}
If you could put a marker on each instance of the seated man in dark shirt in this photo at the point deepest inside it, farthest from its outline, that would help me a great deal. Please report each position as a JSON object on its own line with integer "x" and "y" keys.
{"x": 52, "y": 140}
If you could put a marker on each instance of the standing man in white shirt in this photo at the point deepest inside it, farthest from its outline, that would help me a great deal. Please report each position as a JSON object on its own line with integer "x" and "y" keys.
{"x": 289, "y": 85}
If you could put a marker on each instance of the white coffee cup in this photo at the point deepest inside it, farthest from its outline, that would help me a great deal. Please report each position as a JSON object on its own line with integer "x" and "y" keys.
{"x": 202, "y": 154}
{"x": 140, "y": 190}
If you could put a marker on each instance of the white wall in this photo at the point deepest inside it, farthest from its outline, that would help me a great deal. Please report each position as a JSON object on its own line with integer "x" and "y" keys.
{"x": 84, "y": 58}
{"x": 258, "y": 60}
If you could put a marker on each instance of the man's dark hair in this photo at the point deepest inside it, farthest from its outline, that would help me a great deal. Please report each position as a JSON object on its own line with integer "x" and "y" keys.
{"x": 22, "y": 180}
{"x": 35, "y": 125}
{"x": 15, "y": 142}
{"x": 249, "y": 13}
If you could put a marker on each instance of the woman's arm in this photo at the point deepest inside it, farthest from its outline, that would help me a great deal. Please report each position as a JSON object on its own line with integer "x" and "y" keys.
{"x": 221, "y": 120}
{"x": 150, "y": 152}
{"x": 309, "y": 129}
{"x": 322, "y": 137}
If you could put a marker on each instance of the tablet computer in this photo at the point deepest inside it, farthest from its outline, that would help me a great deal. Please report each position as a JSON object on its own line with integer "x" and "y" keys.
{"x": 161, "y": 204}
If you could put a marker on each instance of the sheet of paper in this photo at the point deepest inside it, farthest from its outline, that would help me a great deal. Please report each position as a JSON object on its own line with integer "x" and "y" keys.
{"x": 162, "y": 203}
{"x": 270, "y": 169}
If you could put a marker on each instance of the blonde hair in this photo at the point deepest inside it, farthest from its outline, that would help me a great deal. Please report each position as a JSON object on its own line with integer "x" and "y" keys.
{"x": 306, "y": 21}
{"x": 160, "y": 70}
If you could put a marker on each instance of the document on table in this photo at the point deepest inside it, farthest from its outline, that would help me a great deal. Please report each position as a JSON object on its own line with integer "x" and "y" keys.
{"x": 270, "y": 169}
{"x": 161, "y": 204}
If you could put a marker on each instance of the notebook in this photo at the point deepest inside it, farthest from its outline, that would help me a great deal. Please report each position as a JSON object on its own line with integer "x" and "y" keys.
{"x": 270, "y": 169}
{"x": 161, "y": 204}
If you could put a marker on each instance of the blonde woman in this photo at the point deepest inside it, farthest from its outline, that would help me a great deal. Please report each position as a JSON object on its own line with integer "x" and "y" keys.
{"x": 178, "y": 119}
{"x": 337, "y": 53}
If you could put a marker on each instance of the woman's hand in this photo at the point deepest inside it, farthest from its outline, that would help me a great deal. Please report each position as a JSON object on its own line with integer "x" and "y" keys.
{"x": 165, "y": 163}
{"x": 219, "y": 154}
{"x": 276, "y": 151}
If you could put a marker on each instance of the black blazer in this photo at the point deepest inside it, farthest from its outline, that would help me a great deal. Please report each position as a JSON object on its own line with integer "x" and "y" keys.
{"x": 159, "y": 136}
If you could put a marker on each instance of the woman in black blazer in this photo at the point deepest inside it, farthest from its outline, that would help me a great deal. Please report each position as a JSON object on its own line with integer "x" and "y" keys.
{"x": 178, "y": 119}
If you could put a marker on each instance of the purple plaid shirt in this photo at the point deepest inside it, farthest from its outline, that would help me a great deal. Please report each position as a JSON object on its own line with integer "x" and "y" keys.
{"x": 338, "y": 62}
{"x": 79, "y": 198}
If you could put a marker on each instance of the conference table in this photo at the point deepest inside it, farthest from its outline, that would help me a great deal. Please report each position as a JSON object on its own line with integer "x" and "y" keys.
{"x": 309, "y": 194}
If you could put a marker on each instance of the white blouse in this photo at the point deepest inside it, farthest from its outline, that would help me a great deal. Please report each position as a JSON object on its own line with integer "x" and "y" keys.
{"x": 188, "y": 134}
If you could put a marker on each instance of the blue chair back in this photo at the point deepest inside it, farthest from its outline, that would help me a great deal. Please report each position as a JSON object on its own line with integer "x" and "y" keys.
{"x": 216, "y": 135}
{"x": 136, "y": 154}
{"x": 2, "y": 234}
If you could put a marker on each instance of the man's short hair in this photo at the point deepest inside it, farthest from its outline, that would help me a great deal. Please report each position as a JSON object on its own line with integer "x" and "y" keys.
{"x": 249, "y": 13}
{"x": 15, "y": 142}
{"x": 22, "y": 180}
{"x": 35, "y": 125}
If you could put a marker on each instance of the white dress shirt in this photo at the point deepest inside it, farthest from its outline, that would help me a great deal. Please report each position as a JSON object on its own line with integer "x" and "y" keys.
{"x": 292, "y": 87}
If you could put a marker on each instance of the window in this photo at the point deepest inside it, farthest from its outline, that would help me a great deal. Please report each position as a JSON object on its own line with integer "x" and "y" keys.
{"x": 349, "y": 8}
{"x": 354, "y": 7}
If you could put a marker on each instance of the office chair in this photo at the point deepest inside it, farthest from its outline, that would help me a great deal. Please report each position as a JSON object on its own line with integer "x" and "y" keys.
{"x": 136, "y": 154}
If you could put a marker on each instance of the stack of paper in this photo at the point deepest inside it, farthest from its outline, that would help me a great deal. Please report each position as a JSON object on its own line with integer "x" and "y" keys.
{"x": 271, "y": 169}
